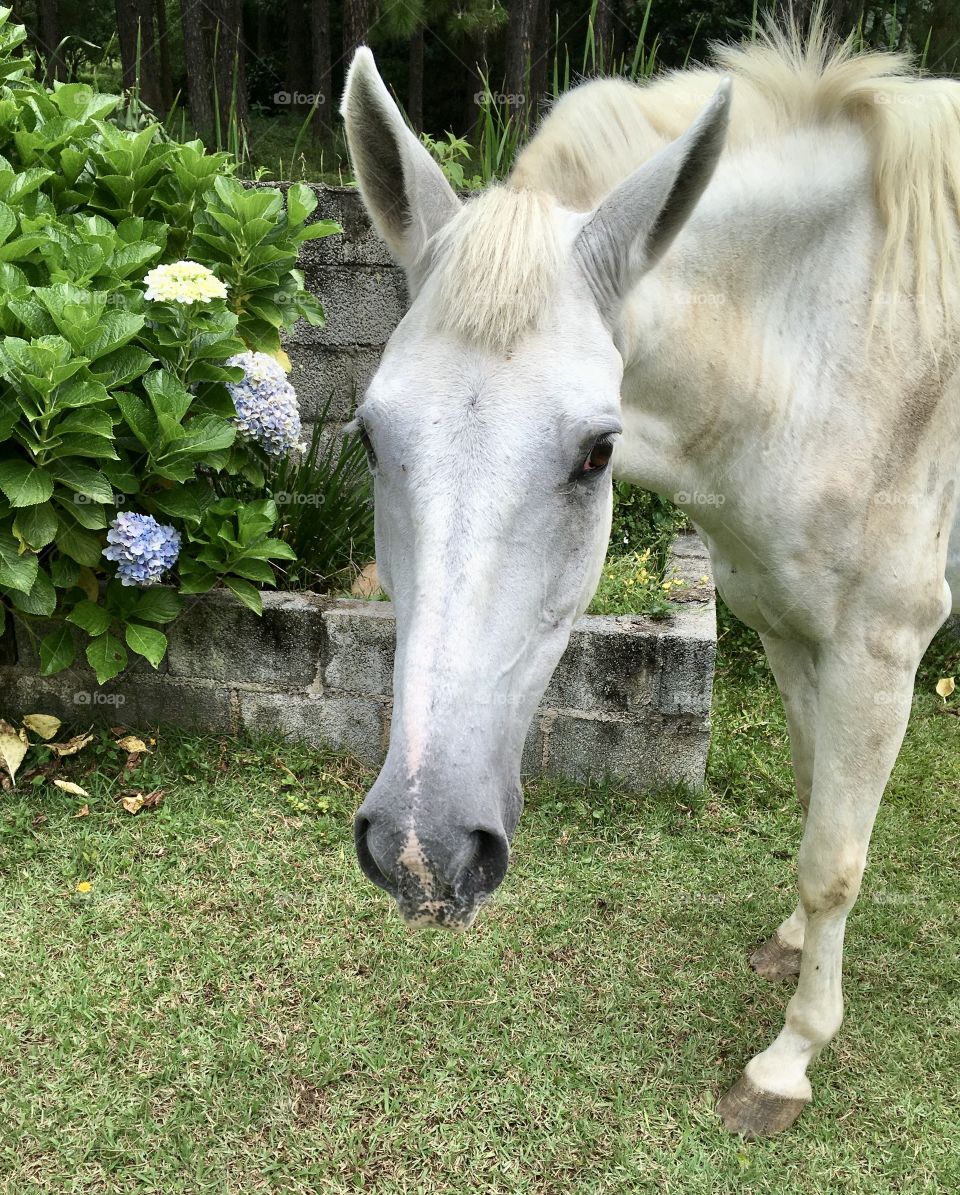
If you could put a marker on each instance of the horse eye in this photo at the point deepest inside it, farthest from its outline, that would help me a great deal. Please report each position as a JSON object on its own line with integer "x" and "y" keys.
{"x": 367, "y": 446}
{"x": 600, "y": 455}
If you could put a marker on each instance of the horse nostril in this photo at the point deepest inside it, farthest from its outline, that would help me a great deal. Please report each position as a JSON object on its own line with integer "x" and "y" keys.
{"x": 368, "y": 863}
{"x": 485, "y": 866}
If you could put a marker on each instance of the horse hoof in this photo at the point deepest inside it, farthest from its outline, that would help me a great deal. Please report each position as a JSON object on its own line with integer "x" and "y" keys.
{"x": 752, "y": 1112}
{"x": 775, "y": 960}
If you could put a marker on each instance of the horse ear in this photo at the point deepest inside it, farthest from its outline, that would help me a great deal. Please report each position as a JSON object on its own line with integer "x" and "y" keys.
{"x": 403, "y": 188}
{"x": 634, "y": 226}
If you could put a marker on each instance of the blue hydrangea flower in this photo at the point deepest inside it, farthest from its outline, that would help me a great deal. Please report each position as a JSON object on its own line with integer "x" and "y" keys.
{"x": 267, "y": 408}
{"x": 142, "y": 548}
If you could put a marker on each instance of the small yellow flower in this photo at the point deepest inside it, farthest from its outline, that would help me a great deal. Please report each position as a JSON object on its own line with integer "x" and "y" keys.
{"x": 183, "y": 282}
{"x": 84, "y": 887}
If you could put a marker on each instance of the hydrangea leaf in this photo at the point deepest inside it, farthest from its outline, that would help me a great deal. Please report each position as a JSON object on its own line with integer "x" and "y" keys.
{"x": 24, "y": 484}
{"x": 147, "y": 642}
{"x": 107, "y": 657}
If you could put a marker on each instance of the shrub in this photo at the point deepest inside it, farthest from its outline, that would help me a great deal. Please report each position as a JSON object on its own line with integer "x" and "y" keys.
{"x": 116, "y": 422}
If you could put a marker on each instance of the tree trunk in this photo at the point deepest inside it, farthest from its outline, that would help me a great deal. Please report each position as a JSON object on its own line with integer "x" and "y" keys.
{"x": 356, "y": 26}
{"x": 299, "y": 69}
{"x": 138, "y": 50}
{"x": 603, "y": 36}
{"x": 196, "y": 54}
{"x": 229, "y": 66}
{"x": 520, "y": 39}
{"x": 415, "y": 80}
{"x": 321, "y": 83}
{"x": 540, "y": 58}
{"x": 163, "y": 44}
{"x": 50, "y": 38}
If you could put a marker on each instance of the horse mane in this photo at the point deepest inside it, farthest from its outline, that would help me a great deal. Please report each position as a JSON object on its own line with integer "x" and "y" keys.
{"x": 500, "y": 260}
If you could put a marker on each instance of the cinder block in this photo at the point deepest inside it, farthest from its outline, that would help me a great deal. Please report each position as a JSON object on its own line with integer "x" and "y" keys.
{"x": 358, "y": 244}
{"x": 137, "y": 700}
{"x": 646, "y": 753}
{"x": 216, "y": 638}
{"x": 363, "y": 305}
{"x": 338, "y": 375}
{"x": 607, "y": 666}
{"x": 352, "y": 724}
{"x": 359, "y": 649}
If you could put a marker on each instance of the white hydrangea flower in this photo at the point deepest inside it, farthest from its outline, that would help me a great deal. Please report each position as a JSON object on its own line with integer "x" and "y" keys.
{"x": 184, "y": 282}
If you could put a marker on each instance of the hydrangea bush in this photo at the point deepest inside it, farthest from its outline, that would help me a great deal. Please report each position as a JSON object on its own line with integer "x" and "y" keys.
{"x": 143, "y": 290}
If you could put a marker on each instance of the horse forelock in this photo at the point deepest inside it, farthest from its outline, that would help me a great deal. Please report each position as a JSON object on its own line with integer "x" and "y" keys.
{"x": 497, "y": 266}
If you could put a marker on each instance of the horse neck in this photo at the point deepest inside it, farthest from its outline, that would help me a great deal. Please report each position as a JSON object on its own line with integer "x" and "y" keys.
{"x": 761, "y": 303}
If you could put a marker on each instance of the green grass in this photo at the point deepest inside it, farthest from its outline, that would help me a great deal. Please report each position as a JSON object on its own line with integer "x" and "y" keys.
{"x": 232, "y": 1009}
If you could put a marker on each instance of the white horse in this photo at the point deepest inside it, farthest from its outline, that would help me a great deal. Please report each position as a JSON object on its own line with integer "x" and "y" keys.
{"x": 773, "y": 325}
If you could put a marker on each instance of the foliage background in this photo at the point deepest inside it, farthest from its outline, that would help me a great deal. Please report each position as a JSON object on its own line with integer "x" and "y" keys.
{"x": 251, "y": 72}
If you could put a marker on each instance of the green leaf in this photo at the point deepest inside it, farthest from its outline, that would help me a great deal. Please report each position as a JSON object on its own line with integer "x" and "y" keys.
{"x": 16, "y": 571}
{"x": 202, "y": 434}
{"x": 64, "y": 572}
{"x": 185, "y": 502}
{"x": 157, "y": 605}
{"x": 168, "y": 396}
{"x": 246, "y": 593}
{"x": 41, "y": 599}
{"x": 138, "y": 418}
{"x": 107, "y": 657}
{"x": 86, "y": 421}
{"x": 301, "y": 201}
{"x": 24, "y": 484}
{"x": 90, "y": 515}
{"x": 94, "y": 619}
{"x": 8, "y": 222}
{"x": 36, "y": 525}
{"x": 146, "y": 642}
{"x": 83, "y": 392}
{"x": 57, "y": 651}
{"x": 83, "y": 479}
{"x": 322, "y": 228}
{"x": 80, "y": 546}
{"x": 254, "y": 570}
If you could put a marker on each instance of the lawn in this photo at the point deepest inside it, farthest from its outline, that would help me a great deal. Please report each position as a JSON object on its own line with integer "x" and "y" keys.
{"x": 231, "y": 1008}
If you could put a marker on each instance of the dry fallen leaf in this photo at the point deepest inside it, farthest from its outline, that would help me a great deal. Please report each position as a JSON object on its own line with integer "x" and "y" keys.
{"x": 13, "y": 747}
{"x": 45, "y": 725}
{"x": 133, "y": 800}
{"x": 39, "y": 820}
{"x": 131, "y": 743}
{"x": 73, "y": 789}
{"x": 83, "y": 811}
{"x": 72, "y": 746}
{"x": 946, "y": 686}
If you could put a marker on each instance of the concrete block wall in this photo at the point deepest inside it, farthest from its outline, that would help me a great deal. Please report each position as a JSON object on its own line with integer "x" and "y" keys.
{"x": 364, "y": 296}
{"x": 630, "y": 697}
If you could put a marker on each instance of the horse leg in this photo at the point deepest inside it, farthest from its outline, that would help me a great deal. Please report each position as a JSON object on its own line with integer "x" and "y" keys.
{"x": 795, "y": 672}
{"x": 856, "y": 746}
